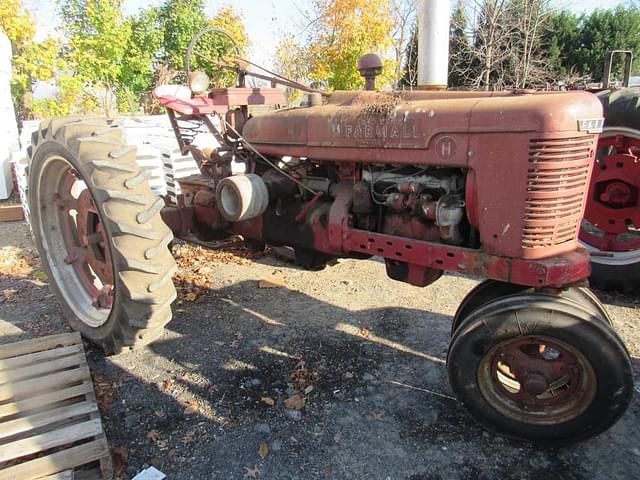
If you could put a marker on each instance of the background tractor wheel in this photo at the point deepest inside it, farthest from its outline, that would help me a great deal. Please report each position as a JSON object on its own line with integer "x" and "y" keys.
{"x": 98, "y": 229}
{"x": 540, "y": 369}
{"x": 611, "y": 225}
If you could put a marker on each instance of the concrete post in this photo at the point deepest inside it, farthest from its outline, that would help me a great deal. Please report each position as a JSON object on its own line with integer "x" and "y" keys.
{"x": 433, "y": 44}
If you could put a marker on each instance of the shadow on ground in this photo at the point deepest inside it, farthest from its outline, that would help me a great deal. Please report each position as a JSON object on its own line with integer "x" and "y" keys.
{"x": 197, "y": 403}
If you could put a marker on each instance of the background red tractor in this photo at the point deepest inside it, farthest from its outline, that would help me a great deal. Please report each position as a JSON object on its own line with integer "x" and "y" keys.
{"x": 611, "y": 225}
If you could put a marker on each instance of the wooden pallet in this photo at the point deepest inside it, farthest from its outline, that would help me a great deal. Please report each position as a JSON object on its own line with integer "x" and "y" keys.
{"x": 49, "y": 421}
{"x": 11, "y": 213}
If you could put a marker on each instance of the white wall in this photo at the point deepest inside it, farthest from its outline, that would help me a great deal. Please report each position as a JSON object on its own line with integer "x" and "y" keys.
{"x": 8, "y": 127}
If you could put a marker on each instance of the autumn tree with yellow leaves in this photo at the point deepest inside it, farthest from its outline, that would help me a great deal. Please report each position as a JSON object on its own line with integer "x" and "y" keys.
{"x": 337, "y": 34}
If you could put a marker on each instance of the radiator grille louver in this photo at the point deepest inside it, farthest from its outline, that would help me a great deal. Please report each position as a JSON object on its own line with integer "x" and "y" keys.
{"x": 557, "y": 183}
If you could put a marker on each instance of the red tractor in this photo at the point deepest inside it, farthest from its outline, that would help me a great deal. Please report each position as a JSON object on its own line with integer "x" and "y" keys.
{"x": 490, "y": 184}
{"x": 611, "y": 226}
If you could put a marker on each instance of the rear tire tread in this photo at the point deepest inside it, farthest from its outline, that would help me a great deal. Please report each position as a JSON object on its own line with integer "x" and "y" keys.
{"x": 143, "y": 288}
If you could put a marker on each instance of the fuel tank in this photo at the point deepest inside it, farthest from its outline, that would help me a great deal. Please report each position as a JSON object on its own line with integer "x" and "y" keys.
{"x": 527, "y": 156}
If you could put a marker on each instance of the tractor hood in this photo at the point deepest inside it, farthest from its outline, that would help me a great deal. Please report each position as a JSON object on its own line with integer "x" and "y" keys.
{"x": 412, "y": 121}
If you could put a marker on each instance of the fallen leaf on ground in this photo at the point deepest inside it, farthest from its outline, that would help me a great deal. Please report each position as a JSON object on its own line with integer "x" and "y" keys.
{"x": 252, "y": 472}
{"x": 191, "y": 408}
{"x": 167, "y": 384}
{"x": 308, "y": 390}
{"x": 378, "y": 416}
{"x": 263, "y": 450}
{"x": 119, "y": 457}
{"x": 269, "y": 401}
{"x": 153, "y": 435}
{"x": 190, "y": 297}
{"x": 272, "y": 281}
{"x": 188, "y": 437}
{"x": 106, "y": 391}
{"x": 159, "y": 413}
{"x": 294, "y": 402}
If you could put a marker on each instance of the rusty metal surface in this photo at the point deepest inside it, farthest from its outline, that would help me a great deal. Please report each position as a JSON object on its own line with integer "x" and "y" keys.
{"x": 496, "y": 137}
{"x": 556, "y": 271}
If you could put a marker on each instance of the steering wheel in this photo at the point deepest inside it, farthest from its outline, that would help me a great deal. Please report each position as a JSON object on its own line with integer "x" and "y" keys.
{"x": 198, "y": 36}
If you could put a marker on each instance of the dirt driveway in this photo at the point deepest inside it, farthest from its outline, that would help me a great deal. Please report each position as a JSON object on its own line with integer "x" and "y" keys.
{"x": 358, "y": 359}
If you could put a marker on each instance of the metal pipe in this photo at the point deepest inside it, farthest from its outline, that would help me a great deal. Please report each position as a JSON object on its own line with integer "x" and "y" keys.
{"x": 433, "y": 44}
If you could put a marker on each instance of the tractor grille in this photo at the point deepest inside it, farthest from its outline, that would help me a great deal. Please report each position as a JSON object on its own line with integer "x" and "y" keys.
{"x": 557, "y": 184}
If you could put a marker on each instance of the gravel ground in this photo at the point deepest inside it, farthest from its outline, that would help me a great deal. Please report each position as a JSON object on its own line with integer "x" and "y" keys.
{"x": 207, "y": 401}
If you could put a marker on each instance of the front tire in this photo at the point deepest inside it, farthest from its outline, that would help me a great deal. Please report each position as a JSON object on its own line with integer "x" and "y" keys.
{"x": 540, "y": 369}
{"x": 98, "y": 229}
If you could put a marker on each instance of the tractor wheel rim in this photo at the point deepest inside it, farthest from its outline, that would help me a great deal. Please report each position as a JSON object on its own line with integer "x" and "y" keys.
{"x": 612, "y": 217}
{"x": 537, "y": 380}
{"x": 76, "y": 242}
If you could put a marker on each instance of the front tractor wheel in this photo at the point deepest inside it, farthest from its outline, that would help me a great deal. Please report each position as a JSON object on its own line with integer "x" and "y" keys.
{"x": 540, "y": 369}
{"x": 98, "y": 229}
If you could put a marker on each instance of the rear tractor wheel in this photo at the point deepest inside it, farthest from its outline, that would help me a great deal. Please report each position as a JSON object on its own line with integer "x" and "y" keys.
{"x": 98, "y": 229}
{"x": 540, "y": 368}
{"x": 611, "y": 225}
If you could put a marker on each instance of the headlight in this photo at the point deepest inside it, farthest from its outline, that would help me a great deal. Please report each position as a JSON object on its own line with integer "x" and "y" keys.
{"x": 198, "y": 82}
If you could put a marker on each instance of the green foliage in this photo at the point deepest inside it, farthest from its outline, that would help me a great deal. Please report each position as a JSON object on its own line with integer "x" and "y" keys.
{"x": 458, "y": 45}
{"x": 71, "y": 97}
{"x": 181, "y": 20}
{"x": 561, "y": 39}
{"x": 606, "y": 30}
{"x": 577, "y": 45}
{"x": 137, "y": 74}
{"x": 98, "y": 39}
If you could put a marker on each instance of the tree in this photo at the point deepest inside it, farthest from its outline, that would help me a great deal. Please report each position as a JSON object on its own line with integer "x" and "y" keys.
{"x": 137, "y": 76}
{"x": 98, "y": 40}
{"x": 530, "y": 66}
{"x": 338, "y": 33}
{"x": 410, "y": 71}
{"x": 32, "y": 61}
{"x": 577, "y": 45}
{"x": 460, "y": 59}
{"x": 561, "y": 40}
{"x": 504, "y": 48}
{"x": 404, "y": 19}
{"x": 606, "y": 30}
{"x": 182, "y": 19}
{"x": 290, "y": 62}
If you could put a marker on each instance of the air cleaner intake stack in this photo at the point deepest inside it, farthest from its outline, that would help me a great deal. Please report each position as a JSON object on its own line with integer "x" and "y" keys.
{"x": 433, "y": 44}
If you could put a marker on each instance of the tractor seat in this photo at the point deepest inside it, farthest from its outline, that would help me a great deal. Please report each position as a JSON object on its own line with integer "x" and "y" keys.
{"x": 178, "y": 98}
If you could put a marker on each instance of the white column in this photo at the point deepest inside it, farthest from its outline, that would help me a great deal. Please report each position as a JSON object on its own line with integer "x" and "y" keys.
{"x": 8, "y": 127}
{"x": 433, "y": 44}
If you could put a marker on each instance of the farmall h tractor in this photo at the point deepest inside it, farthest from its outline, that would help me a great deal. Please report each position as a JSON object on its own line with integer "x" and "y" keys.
{"x": 488, "y": 184}
{"x": 611, "y": 227}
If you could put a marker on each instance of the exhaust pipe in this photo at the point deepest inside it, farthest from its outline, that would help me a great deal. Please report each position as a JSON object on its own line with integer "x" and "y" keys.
{"x": 433, "y": 44}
